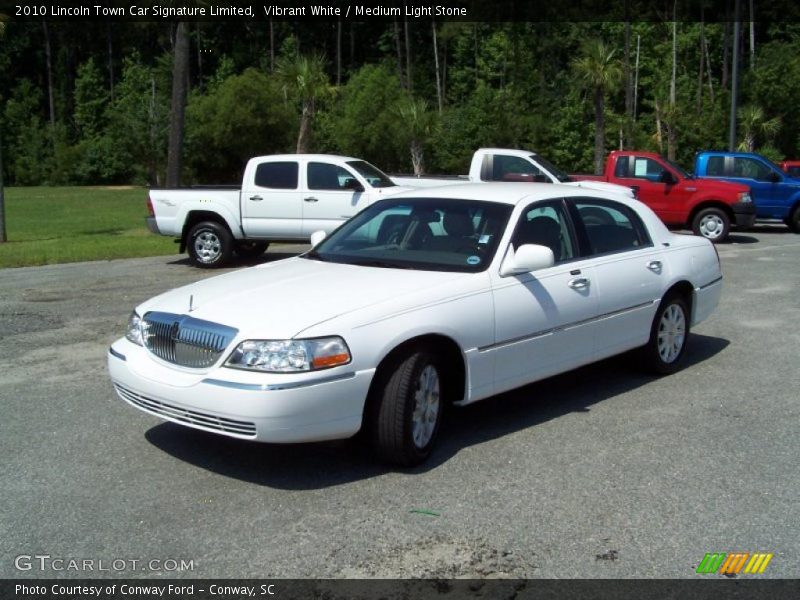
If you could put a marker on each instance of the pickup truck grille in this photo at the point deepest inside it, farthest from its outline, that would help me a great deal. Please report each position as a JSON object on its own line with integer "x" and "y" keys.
{"x": 184, "y": 340}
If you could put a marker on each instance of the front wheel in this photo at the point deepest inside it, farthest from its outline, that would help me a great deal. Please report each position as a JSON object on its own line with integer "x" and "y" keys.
{"x": 794, "y": 220}
{"x": 712, "y": 223}
{"x": 668, "y": 336}
{"x": 409, "y": 410}
{"x": 210, "y": 245}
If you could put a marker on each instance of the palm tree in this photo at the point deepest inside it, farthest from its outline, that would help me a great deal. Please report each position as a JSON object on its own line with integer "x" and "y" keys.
{"x": 599, "y": 70}
{"x": 305, "y": 78}
{"x": 180, "y": 85}
{"x": 418, "y": 123}
{"x": 754, "y": 123}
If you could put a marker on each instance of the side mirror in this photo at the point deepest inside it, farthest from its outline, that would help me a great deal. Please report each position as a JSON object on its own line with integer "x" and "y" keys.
{"x": 352, "y": 184}
{"x": 667, "y": 177}
{"x": 527, "y": 258}
{"x": 317, "y": 237}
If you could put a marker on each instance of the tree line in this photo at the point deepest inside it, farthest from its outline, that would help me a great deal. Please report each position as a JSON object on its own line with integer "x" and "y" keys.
{"x": 93, "y": 103}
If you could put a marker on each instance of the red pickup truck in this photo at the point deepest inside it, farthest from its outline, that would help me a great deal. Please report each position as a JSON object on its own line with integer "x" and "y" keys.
{"x": 707, "y": 207}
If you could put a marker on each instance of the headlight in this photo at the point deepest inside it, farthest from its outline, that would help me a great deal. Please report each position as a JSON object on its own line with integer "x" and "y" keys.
{"x": 134, "y": 331}
{"x": 288, "y": 356}
{"x": 745, "y": 197}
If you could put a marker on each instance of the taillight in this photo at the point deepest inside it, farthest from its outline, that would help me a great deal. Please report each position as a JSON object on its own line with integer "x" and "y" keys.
{"x": 150, "y": 210}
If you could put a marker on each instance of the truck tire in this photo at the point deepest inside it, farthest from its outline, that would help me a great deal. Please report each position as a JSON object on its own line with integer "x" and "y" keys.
{"x": 712, "y": 223}
{"x": 210, "y": 245}
{"x": 793, "y": 220}
{"x": 250, "y": 249}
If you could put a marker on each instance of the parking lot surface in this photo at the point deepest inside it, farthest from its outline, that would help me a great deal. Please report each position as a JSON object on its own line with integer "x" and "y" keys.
{"x": 600, "y": 473}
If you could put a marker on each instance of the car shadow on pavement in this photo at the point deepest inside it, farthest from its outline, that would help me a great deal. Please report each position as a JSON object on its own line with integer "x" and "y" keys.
{"x": 238, "y": 263}
{"x": 327, "y": 464}
{"x": 737, "y": 238}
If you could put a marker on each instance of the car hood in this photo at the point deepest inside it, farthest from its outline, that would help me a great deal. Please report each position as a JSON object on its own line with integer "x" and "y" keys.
{"x": 279, "y": 300}
{"x": 712, "y": 185}
{"x": 602, "y": 186}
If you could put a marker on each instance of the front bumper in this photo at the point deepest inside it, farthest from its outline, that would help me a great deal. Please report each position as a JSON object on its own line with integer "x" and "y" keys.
{"x": 284, "y": 408}
{"x": 152, "y": 225}
{"x": 745, "y": 214}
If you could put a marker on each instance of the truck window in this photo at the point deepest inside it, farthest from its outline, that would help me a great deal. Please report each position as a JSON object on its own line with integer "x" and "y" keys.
{"x": 646, "y": 168}
{"x": 716, "y": 166}
{"x": 515, "y": 168}
{"x": 325, "y": 176}
{"x": 278, "y": 175}
{"x": 621, "y": 168}
{"x": 750, "y": 168}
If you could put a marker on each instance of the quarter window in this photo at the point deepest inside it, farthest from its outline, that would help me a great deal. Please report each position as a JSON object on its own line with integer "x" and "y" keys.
{"x": 277, "y": 175}
{"x": 611, "y": 227}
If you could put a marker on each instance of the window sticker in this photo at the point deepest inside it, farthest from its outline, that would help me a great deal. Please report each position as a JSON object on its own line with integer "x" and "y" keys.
{"x": 640, "y": 167}
{"x": 473, "y": 260}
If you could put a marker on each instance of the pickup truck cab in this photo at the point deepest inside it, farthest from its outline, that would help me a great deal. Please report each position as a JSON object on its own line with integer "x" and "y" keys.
{"x": 511, "y": 165}
{"x": 776, "y": 195}
{"x": 283, "y": 198}
{"x": 708, "y": 208}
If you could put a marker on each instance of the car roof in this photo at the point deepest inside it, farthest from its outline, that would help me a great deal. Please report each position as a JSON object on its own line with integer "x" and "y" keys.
{"x": 307, "y": 157}
{"x": 510, "y": 193}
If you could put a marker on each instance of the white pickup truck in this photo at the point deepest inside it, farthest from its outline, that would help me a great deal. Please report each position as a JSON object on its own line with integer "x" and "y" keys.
{"x": 506, "y": 164}
{"x": 283, "y": 198}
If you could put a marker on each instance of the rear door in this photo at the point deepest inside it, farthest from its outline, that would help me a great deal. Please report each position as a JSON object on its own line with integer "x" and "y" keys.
{"x": 271, "y": 202}
{"x": 629, "y": 272}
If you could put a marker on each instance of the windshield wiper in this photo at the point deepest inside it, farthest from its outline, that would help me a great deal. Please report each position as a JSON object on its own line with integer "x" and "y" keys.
{"x": 380, "y": 263}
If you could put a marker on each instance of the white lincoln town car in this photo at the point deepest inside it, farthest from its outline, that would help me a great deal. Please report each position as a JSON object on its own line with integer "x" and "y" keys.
{"x": 443, "y": 296}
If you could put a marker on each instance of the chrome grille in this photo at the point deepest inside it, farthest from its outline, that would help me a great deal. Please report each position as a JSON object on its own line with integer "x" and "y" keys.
{"x": 192, "y": 418}
{"x": 184, "y": 340}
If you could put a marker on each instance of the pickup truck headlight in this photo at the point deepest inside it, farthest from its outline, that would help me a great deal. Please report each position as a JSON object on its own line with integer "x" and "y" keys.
{"x": 134, "y": 331}
{"x": 745, "y": 197}
{"x": 289, "y": 356}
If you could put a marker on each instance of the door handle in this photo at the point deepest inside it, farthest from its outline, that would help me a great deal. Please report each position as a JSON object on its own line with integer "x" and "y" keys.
{"x": 654, "y": 265}
{"x": 578, "y": 283}
{"x": 256, "y": 198}
{"x": 311, "y": 199}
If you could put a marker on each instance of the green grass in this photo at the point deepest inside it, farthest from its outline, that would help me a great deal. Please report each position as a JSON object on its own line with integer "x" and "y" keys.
{"x": 47, "y": 225}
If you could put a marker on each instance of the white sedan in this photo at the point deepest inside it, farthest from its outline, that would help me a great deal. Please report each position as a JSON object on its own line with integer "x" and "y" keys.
{"x": 431, "y": 298}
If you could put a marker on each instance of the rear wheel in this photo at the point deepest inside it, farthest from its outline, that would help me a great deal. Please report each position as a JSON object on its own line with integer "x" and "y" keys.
{"x": 668, "y": 336}
{"x": 210, "y": 245}
{"x": 409, "y": 409}
{"x": 712, "y": 223}
{"x": 250, "y": 249}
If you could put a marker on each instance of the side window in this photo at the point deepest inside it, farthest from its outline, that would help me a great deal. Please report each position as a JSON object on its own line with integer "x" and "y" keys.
{"x": 324, "y": 176}
{"x": 545, "y": 224}
{"x": 621, "y": 168}
{"x": 750, "y": 168}
{"x": 610, "y": 226}
{"x": 514, "y": 168}
{"x": 277, "y": 175}
{"x": 716, "y": 166}
{"x": 647, "y": 168}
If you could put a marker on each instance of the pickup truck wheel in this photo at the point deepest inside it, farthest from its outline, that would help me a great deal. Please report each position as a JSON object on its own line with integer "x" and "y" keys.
{"x": 794, "y": 220}
{"x": 250, "y": 249}
{"x": 210, "y": 245}
{"x": 409, "y": 411}
{"x": 712, "y": 223}
{"x": 668, "y": 336}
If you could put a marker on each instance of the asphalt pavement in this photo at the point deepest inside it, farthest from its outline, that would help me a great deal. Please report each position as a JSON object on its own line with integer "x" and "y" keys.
{"x": 600, "y": 473}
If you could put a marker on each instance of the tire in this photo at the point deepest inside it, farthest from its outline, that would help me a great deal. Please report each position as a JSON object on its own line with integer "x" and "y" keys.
{"x": 712, "y": 223}
{"x": 250, "y": 249}
{"x": 210, "y": 245}
{"x": 793, "y": 221}
{"x": 669, "y": 335}
{"x": 408, "y": 410}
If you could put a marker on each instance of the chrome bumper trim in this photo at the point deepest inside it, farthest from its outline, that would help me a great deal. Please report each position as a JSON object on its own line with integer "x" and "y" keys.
{"x": 272, "y": 387}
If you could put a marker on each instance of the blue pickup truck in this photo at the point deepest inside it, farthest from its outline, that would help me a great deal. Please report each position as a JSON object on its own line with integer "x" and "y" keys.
{"x": 775, "y": 194}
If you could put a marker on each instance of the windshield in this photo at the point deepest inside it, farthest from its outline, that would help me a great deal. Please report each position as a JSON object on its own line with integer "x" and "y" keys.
{"x": 557, "y": 173}
{"x": 420, "y": 233}
{"x": 374, "y": 176}
{"x": 678, "y": 168}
